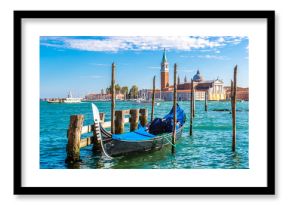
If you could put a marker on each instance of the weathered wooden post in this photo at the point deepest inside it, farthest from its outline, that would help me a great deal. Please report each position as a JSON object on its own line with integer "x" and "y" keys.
{"x": 174, "y": 111}
{"x": 134, "y": 118}
{"x": 191, "y": 107}
{"x": 205, "y": 100}
{"x": 233, "y": 102}
{"x": 74, "y": 138}
{"x": 119, "y": 121}
{"x": 143, "y": 116}
{"x": 153, "y": 100}
{"x": 113, "y": 99}
{"x": 102, "y": 117}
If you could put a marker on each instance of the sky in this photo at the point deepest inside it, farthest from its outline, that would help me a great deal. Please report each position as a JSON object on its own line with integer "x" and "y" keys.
{"x": 82, "y": 64}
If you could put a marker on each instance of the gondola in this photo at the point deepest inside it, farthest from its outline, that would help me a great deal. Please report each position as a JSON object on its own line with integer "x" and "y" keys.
{"x": 140, "y": 140}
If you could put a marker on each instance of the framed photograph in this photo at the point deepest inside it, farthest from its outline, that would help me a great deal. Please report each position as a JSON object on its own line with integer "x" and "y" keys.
{"x": 144, "y": 102}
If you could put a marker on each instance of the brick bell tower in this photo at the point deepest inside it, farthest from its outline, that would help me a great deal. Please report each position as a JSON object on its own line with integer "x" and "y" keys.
{"x": 164, "y": 72}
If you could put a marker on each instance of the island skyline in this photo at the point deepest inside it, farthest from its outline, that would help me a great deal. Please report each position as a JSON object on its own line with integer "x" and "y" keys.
{"x": 83, "y": 64}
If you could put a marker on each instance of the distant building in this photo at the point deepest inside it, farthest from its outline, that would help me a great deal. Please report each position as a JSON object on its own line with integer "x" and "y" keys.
{"x": 214, "y": 88}
{"x": 102, "y": 97}
{"x": 242, "y": 93}
{"x": 146, "y": 94}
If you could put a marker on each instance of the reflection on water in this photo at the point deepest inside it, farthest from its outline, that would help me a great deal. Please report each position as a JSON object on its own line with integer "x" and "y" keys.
{"x": 209, "y": 147}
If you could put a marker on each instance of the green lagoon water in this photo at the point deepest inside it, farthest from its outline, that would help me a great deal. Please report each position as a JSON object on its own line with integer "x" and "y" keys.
{"x": 208, "y": 148}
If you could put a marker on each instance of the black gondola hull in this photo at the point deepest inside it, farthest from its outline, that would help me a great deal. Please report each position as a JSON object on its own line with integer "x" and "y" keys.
{"x": 122, "y": 147}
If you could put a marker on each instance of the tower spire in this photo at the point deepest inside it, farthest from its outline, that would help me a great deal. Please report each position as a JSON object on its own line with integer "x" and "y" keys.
{"x": 164, "y": 59}
{"x": 164, "y": 72}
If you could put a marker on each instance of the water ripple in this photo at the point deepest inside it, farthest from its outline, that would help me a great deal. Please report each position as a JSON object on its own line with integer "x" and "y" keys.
{"x": 208, "y": 148}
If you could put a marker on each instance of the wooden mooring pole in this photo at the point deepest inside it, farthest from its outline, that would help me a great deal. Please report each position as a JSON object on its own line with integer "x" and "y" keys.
{"x": 76, "y": 129}
{"x": 174, "y": 111}
{"x": 233, "y": 102}
{"x": 113, "y": 99}
{"x": 74, "y": 138}
{"x": 191, "y": 106}
{"x": 119, "y": 121}
{"x": 134, "y": 119}
{"x": 205, "y": 100}
{"x": 153, "y": 100}
{"x": 143, "y": 117}
{"x": 102, "y": 117}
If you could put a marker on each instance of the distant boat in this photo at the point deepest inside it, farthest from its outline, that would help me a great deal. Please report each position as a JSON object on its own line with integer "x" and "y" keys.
{"x": 69, "y": 99}
{"x": 148, "y": 102}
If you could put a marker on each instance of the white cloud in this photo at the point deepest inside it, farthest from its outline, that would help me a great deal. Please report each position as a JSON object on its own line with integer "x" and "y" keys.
{"x": 187, "y": 56}
{"x": 52, "y": 45}
{"x": 221, "y": 40}
{"x": 234, "y": 39}
{"x": 95, "y": 45}
{"x": 214, "y": 57}
{"x": 137, "y": 43}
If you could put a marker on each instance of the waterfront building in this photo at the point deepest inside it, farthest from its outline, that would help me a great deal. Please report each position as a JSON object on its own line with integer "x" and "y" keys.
{"x": 242, "y": 93}
{"x": 214, "y": 88}
{"x": 102, "y": 97}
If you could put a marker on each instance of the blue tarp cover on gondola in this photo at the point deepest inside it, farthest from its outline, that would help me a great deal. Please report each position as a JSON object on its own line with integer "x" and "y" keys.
{"x": 165, "y": 125}
{"x": 158, "y": 126}
{"x": 138, "y": 135}
{"x": 180, "y": 115}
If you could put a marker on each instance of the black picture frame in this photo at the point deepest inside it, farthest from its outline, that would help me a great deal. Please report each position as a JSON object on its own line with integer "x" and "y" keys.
{"x": 268, "y": 190}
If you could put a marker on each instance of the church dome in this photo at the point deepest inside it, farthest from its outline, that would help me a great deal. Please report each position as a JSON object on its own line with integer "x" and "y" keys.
{"x": 197, "y": 77}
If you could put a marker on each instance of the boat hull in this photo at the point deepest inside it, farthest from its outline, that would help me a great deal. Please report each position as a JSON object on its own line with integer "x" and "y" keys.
{"x": 122, "y": 147}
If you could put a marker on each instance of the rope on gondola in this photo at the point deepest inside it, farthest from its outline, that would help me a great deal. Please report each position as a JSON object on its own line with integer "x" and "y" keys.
{"x": 102, "y": 144}
{"x": 168, "y": 140}
{"x": 103, "y": 148}
{"x": 169, "y": 135}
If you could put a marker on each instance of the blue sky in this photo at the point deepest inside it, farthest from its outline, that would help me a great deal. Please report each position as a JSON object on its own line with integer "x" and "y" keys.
{"x": 82, "y": 64}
